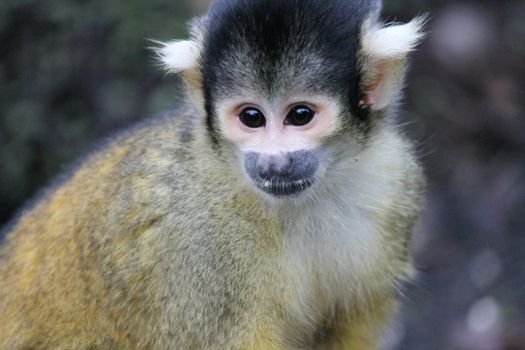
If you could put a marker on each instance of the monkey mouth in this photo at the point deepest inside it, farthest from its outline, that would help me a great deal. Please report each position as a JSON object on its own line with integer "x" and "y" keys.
{"x": 283, "y": 188}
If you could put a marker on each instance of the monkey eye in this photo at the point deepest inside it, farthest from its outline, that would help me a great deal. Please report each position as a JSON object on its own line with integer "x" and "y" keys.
{"x": 299, "y": 116}
{"x": 252, "y": 118}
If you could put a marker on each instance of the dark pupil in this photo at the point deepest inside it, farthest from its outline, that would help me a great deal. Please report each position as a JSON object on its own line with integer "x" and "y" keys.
{"x": 252, "y": 118}
{"x": 300, "y": 116}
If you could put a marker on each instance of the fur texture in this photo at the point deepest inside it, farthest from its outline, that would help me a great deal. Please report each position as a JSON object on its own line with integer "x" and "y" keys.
{"x": 158, "y": 240}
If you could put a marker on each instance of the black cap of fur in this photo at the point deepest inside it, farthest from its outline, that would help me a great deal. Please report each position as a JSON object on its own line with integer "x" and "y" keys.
{"x": 280, "y": 45}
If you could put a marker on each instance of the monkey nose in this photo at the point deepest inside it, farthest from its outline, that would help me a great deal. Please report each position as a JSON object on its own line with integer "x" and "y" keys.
{"x": 275, "y": 166}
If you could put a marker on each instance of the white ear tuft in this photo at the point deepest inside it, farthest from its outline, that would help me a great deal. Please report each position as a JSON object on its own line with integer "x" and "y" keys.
{"x": 394, "y": 41}
{"x": 178, "y": 56}
{"x": 385, "y": 51}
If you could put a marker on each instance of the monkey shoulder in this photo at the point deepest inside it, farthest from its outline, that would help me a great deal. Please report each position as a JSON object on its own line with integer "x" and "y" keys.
{"x": 129, "y": 166}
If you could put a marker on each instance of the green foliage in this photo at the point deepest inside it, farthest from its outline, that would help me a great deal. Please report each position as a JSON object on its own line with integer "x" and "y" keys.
{"x": 71, "y": 71}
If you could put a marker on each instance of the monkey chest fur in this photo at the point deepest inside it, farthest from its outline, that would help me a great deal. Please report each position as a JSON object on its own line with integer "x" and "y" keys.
{"x": 334, "y": 283}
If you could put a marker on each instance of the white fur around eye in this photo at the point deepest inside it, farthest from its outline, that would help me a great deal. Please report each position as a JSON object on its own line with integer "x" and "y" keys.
{"x": 178, "y": 56}
{"x": 275, "y": 137}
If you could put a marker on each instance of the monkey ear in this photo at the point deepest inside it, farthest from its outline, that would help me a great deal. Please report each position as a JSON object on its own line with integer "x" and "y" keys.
{"x": 178, "y": 56}
{"x": 182, "y": 56}
{"x": 385, "y": 50}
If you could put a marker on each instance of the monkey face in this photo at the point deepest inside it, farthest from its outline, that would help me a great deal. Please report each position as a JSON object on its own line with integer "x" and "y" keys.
{"x": 279, "y": 141}
{"x": 297, "y": 87}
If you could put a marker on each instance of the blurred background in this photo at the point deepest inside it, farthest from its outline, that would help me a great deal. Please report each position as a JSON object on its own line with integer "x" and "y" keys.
{"x": 72, "y": 72}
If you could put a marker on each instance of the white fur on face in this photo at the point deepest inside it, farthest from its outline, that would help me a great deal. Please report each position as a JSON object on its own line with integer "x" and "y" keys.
{"x": 277, "y": 137}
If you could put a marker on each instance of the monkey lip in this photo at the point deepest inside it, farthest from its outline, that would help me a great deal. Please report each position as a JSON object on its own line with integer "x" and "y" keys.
{"x": 283, "y": 188}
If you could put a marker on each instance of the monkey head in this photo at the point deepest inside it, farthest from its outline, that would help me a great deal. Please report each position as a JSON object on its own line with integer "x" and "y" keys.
{"x": 292, "y": 90}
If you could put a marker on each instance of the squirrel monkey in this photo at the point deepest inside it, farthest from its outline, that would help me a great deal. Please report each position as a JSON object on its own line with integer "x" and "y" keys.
{"x": 272, "y": 210}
